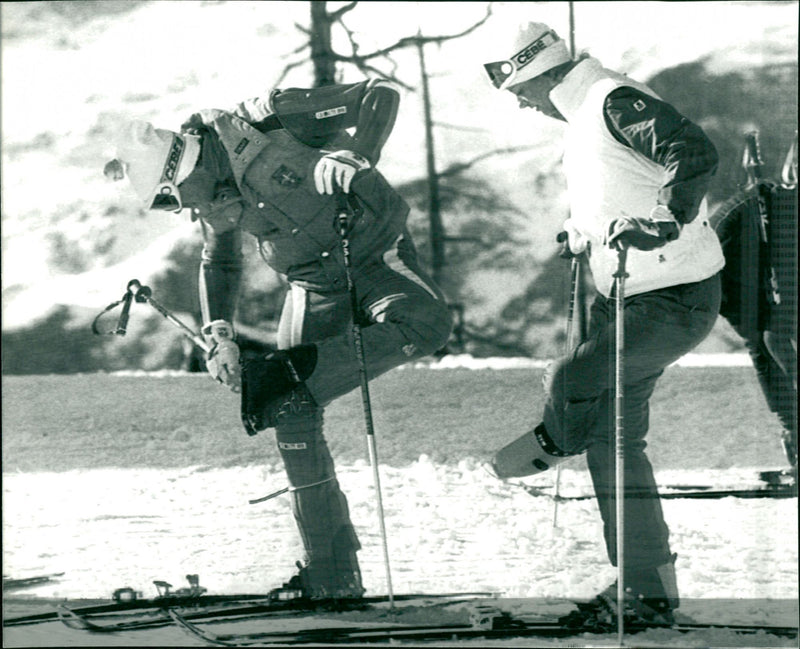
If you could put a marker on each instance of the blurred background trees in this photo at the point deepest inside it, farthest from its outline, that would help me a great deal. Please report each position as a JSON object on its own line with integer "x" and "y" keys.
{"x": 475, "y": 198}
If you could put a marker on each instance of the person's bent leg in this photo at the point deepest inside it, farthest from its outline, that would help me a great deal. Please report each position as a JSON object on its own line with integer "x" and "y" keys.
{"x": 405, "y": 318}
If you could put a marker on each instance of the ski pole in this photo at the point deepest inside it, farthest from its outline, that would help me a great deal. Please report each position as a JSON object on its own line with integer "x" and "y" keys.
{"x": 144, "y": 294}
{"x": 342, "y": 224}
{"x": 619, "y": 432}
{"x": 122, "y": 322}
{"x": 575, "y": 267}
{"x": 753, "y": 166}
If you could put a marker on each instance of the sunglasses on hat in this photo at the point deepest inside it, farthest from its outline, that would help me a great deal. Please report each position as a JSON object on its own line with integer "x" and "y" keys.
{"x": 500, "y": 72}
{"x": 503, "y": 73}
{"x": 167, "y": 196}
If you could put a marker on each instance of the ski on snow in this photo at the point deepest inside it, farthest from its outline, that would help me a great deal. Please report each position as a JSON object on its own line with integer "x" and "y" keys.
{"x": 488, "y": 626}
{"x": 194, "y": 614}
{"x": 151, "y": 613}
{"x": 772, "y": 484}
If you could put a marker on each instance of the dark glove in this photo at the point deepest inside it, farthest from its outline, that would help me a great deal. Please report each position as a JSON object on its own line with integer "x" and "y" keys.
{"x": 643, "y": 233}
{"x": 563, "y": 238}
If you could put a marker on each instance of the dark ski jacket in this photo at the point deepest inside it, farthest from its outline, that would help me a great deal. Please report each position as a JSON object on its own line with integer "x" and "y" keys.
{"x": 256, "y": 175}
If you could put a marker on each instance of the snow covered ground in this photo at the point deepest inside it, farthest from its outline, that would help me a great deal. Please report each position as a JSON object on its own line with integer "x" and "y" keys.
{"x": 451, "y": 527}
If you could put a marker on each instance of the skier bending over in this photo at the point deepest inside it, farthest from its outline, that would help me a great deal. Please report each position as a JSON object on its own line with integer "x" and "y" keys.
{"x": 637, "y": 172}
{"x": 275, "y": 168}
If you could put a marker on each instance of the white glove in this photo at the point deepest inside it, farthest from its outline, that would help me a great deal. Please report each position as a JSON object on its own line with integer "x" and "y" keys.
{"x": 338, "y": 167}
{"x": 573, "y": 241}
{"x": 223, "y": 359}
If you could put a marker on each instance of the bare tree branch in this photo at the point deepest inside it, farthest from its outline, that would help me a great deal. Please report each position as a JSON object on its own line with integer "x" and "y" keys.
{"x": 413, "y": 41}
{"x": 288, "y": 68}
{"x": 341, "y": 11}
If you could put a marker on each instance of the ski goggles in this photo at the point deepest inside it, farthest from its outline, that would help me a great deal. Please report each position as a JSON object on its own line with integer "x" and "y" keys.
{"x": 167, "y": 196}
{"x": 505, "y": 73}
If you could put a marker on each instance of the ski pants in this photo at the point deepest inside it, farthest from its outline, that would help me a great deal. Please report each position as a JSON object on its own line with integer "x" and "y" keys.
{"x": 660, "y": 327}
{"x": 403, "y": 316}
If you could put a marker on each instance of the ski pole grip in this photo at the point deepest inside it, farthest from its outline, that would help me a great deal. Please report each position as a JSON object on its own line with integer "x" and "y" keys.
{"x": 143, "y": 294}
{"x": 122, "y": 323}
{"x": 131, "y": 290}
{"x": 134, "y": 286}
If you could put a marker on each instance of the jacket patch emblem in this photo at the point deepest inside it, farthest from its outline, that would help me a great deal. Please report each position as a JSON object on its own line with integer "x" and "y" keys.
{"x": 241, "y": 146}
{"x": 639, "y": 105}
{"x": 286, "y": 177}
{"x": 289, "y": 446}
{"x": 331, "y": 112}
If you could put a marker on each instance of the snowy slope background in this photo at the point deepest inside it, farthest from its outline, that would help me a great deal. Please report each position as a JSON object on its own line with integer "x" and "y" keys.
{"x": 71, "y": 75}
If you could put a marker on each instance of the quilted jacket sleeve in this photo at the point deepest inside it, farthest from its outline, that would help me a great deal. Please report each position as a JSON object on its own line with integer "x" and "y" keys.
{"x": 659, "y": 132}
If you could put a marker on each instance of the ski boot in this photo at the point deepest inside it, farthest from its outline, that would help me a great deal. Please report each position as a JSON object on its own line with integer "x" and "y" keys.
{"x": 784, "y": 478}
{"x": 322, "y": 582}
{"x": 651, "y": 597}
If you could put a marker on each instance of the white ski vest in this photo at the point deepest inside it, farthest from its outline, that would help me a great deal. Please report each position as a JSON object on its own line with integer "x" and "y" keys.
{"x": 607, "y": 179}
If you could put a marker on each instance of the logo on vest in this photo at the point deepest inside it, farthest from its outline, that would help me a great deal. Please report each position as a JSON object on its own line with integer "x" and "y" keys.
{"x": 331, "y": 112}
{"x": 285, "y": 177}
{"x": 241, "y": 146}
{"x": 639, "y": 105}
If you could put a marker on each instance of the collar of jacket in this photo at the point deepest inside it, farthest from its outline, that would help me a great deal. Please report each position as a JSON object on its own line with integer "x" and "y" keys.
{"x": 570, "y": 94}
{"x": 241, "y": 141}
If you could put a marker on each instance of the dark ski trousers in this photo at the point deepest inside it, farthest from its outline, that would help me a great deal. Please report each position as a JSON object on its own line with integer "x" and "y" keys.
{"x": 660, "y": 327}
{"x": 404, "y": 317}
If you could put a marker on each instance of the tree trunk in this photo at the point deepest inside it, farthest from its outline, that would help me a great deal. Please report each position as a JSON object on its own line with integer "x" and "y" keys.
{"x": 437, "y": 234}
{"x": 321, "y": 50}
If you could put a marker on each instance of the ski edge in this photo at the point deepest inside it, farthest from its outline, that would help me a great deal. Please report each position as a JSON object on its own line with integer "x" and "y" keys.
{"x": 677, "y": 492}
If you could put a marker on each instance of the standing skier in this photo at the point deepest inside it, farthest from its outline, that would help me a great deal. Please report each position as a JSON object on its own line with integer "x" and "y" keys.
{"x": 637, "y": 172}
{"x": 277, "y": 169}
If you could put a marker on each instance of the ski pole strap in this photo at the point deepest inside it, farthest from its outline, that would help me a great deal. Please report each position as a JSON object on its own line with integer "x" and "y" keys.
{"x": 280, "y": 492}
{"x": 122, "y": 323}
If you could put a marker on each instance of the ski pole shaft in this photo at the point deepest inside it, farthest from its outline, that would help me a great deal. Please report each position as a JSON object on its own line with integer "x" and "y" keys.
{"x": 342, "y": 223}
{"x": 575, "y": 267}
{"x": 145, "y": 294}
{"x": 619, "y": 434}
{"x": 753, "y": 165}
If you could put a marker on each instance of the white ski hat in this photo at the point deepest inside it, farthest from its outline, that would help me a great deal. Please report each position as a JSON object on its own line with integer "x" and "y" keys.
{"x": 536, "y": 50}
{"x": 155, "y": 161}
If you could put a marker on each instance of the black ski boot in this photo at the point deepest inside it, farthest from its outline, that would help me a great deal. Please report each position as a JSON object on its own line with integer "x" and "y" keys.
{"x": 651, "y": 597}
{"x": 270, "y": 380}
{"x": 322, "y": 582}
